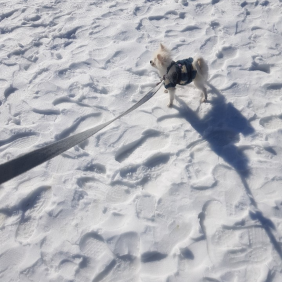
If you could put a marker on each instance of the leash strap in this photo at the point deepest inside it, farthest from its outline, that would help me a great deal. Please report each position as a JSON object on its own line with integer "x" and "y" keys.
{"x": 32, "y": 159}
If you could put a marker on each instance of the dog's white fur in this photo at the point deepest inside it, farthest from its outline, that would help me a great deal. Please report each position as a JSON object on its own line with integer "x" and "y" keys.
{"x": 162, "y": 60}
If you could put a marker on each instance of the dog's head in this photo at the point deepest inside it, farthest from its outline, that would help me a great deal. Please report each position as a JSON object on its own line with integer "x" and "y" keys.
{"x": 162, "y": 58}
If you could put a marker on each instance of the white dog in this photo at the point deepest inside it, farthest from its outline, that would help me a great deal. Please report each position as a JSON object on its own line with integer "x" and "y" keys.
{"x": 181, "y": 72}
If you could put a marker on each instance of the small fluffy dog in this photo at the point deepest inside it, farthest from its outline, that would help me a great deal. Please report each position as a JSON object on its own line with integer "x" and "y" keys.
{"x": 181, "y": 72}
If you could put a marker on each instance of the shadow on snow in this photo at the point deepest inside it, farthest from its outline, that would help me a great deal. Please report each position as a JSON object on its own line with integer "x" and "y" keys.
{"x": 221, "y": 127}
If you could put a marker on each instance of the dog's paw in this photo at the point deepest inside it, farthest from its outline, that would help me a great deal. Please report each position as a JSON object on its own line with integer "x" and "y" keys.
{"x": 169, "y": 105}
{"x": 204, "y": 100}
{"x": 165, "y": 91}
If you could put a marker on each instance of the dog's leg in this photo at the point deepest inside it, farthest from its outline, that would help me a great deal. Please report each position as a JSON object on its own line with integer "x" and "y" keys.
{"x": 171, "y": 92}
{"x": 199, "y": 83}
{"x": 204, "y": 91}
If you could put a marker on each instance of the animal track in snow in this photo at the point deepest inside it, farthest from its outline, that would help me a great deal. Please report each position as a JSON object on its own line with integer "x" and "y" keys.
{"x": 67, "y": 269}
{"x": 146, "y": 26}
{"x": 176, "y": 233}
{"x": 66, "y": 100}
{"x": 226, "y": 52}
{"x": 157, "y": 161}
{"x": 93, "y": 245}
{"x": 119, "y": 80}
{"x": 202, "y": 9}
{"x": 20, "y": 140}
{"x": 77, "y": 197}
{"x": 209, "y": 44}
{"x": 10, "y": 90}
{"x": 269, "y": 191}
{"x": 32, "y": 17}
{"x": 150, "y": 140}
{"x": 142, "y": 173}
{"x": 271, "y": 122}
{"x": 260, "y": 66}
{"x": 235, "y": 199}
{"x": 76, "y": 124}
{"x": 67, "y": 34}
{"x": 89, "y": 185}
{"x": 74, "y": 69}
{"x": 31, "y": 207}
{"x": 218, "y": 80}
{"x": 115, "y": 59}
{"x": 152, "y": 256}
{"x": 273, "y": 89}
{"x": 25, "y": 229}
{"x": 118, "y": 193}
{"x": 62, "y": 164}
{"x": 125, "y": 244}
{"x": 145, "y": 207}
{"x": 161, "y": 20}
{"x": 105, "y": 272}
{"x": 190, "y": 30}
{"x": 127, "y": 33}
{"x": 155, "y": 262}
{"x": 169, "y": 120}
{"x": 3, "y": 217}
{"x": 11, "y": 258}
{"x": 7, "y": 14}
{"x": 95, "y": 167}
{"x": 102, "y": 41}
{"x": 125, "y": 151}
{"x": 237, "y": 90}
{"x": 257, "y": 251}
{"x": 101, "y": 27}
{"x": 141, "y": 10}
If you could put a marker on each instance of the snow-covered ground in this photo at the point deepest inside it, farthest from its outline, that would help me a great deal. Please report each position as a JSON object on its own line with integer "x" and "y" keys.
{"x": 189, "y": 193}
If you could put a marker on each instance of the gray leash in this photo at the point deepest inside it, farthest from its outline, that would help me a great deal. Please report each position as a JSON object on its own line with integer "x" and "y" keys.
{"x": 32, "y": 159}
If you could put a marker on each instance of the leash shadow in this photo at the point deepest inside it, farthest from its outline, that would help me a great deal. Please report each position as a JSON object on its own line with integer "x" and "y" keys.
{"x": 256, "y": 215}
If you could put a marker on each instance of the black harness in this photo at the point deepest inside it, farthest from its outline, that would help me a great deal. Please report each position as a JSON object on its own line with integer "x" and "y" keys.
{"x": 180, "y": 72}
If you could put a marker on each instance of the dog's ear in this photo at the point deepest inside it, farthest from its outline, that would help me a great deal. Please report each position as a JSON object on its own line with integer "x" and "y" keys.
{"x": 162, "y": 46}
{"x": 160, "y": 58}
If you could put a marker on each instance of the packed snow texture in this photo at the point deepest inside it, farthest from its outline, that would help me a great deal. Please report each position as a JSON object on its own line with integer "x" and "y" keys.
{"x": 189, "y": 193}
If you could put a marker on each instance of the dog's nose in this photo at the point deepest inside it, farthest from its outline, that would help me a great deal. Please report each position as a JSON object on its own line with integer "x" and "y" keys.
{"x": 150, "y": 62}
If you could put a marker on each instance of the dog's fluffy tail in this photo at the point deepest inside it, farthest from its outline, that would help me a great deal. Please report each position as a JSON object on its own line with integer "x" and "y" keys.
{"x": 202, "y": 67}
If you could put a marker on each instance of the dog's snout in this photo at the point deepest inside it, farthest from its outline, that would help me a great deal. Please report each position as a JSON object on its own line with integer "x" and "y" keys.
{"x": 150, "y": 62}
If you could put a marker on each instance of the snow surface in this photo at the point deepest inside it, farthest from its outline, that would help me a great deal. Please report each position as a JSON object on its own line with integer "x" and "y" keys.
{"x": 189, "y": 193}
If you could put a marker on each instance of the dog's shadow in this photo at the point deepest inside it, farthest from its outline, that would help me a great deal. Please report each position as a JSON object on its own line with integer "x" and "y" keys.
{"x": 220, "y": 127}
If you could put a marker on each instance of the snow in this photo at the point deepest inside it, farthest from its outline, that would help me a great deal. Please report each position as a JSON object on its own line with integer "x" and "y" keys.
{"x": 189, "y": 193}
